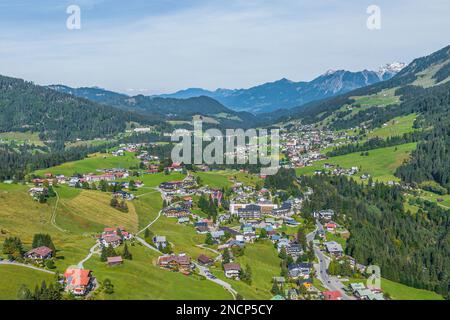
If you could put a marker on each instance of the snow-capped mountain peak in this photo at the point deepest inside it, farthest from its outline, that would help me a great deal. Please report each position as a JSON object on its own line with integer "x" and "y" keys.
{"x": 394, "y": 67}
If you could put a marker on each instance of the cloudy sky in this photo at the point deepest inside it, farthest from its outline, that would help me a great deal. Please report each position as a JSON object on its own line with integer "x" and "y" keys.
{"x": 156, "y": 46}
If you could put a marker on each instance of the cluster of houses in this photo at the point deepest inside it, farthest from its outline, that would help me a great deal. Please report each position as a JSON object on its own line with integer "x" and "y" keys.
{"x": 302, "y": 146}
{"x": 113, "y": 237}
{"x": 336, "y": 170}
{"x": 361, "y": 292}
{"x": 176, "y": 262}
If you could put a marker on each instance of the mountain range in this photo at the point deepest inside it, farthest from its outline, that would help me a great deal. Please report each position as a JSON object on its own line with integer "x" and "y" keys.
{"x": 285, "y": 94}
{"x": 265, "y": 98}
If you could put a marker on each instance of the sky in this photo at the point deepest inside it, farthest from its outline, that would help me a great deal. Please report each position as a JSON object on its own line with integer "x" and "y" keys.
{"x": 161, "y": 46}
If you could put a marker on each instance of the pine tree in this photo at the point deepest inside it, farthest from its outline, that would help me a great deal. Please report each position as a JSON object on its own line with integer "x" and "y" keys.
{"x": 126, "y": 254}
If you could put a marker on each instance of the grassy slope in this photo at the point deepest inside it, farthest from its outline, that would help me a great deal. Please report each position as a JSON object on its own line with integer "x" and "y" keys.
{"x": 22, "y": 137}
{"x": 263, "y": 260}
{"x": 381, "y": 163}
{"x": 219, "y": 179}
{"x": 89, "y": 211}
{"x": 140, "y": 278}
{"x": 20, "y": 275}
{"x": 395, "y": 127}
{"x": 93, "y": 162}
{"x": 399, "y": 291}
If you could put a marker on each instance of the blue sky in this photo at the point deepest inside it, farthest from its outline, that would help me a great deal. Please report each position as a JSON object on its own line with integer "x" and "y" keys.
{"x": 150, "y": 46}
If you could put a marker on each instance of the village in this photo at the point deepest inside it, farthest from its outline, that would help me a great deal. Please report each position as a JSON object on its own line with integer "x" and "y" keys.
{"x": 229, "y": 219}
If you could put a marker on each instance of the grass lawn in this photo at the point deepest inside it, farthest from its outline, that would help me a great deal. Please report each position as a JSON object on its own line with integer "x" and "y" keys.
{"x": 141, "y": 279}
{"x": 380, "y": 163}
{"x": 12, "y": 277}
{"x": 92, "y": 163}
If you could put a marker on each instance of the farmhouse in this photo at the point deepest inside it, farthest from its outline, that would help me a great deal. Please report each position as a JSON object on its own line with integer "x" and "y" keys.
{"x": 36, "y": 192}
{"x": 232, "y": 270}
{"x": 174, "y": 262}
{"x": 78, "y": 281}
{"x": 204, "y": 260}
{"x": 39, "y": 253}
{"x": 160, "y": 242}
{"x": 176, "y": 212}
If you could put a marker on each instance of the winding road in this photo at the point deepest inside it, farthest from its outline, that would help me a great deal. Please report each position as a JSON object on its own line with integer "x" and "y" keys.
{"x": 10, "y": 263}
{"x": 329, "y": 282}
{"x": 91, "y": 252}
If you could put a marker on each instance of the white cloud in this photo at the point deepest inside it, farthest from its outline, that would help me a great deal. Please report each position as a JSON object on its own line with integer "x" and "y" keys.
{"x": 228, "y": 44}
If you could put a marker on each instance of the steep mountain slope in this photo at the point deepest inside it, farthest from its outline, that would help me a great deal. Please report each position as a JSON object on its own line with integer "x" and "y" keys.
{"x": 287, "y": 94}
{"x": 170, "y": 109}
{"x": 58, "y": 116}
{"x": 422, "y": 72}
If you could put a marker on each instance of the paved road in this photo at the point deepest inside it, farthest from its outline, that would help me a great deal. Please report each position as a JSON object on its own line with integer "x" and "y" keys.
{"x": 4, "y": 262}
{"x": 91, "y": 252}
{"x": 204, "y": 271}
{"x": 329, "y": 282}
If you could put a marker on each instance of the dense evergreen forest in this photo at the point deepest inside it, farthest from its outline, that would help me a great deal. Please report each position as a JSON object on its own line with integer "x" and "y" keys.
{"x": 430, "y": 161}
{"x": 16, "y": 163}
{"x": 410, "y": 248}
{"x": 58, "y": 116}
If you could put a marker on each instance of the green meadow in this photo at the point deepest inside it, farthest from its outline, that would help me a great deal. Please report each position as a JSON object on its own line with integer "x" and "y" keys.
{"x": 264, "y": 263}
{"x": 142, "y": 279}
{"x": 399, "y": 291}
{"x": 395, "y": 127}
{"x": 224, "y": 178}
{"x": 12, "y": 277}
{"x": 92, "y": 163}
{"x": 380, "y": 163}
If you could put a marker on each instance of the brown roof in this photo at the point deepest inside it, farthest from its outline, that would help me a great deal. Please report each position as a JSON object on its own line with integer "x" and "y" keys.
{"x": 115, "y": 259}
{"x": 42, "y": 251}
{"x": 204, "y": 259}
{"x": 232, "y": 266}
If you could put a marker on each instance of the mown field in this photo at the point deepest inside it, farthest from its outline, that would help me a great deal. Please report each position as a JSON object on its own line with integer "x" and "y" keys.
{"x": 142, "y": 279}
{"x": 380, "y": 163}
{"x": 92, "y": 163}
{"x": 12, "y": 277}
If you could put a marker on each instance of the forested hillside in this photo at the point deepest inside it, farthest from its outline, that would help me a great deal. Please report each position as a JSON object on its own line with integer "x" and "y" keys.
{"x": 171, "y": 109}
{"x": 410, "y": 248}
{"x": 57, "y": 116}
